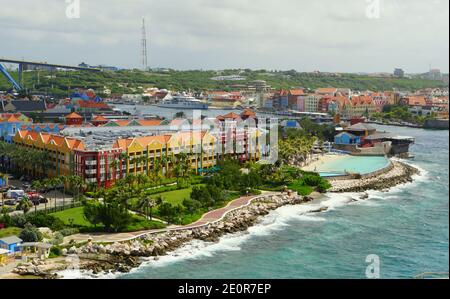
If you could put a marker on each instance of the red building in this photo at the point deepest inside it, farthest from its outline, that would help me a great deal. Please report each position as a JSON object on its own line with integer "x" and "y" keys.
{"x": 95, "y": 166}
{"x": 74, "y": 119}
{"x": 99, "y": 120}
{"x": 293, "y": 97}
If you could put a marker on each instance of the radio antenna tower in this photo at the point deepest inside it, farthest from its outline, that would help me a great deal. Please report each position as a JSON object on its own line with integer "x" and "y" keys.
{"x": 144, "y": 47}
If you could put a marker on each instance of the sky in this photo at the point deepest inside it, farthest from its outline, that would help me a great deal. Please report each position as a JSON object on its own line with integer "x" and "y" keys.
{"x": 305, "y": 35}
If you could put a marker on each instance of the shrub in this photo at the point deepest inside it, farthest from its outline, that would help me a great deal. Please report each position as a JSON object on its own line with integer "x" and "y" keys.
{"x": 323, "y": 186}
{"x": 57, "y": 239}
{"x": 41, "y": 219}
{"x": 311, "y": 180}
{"x": 19, "y": 220}
{"x": 30, "y": 234}
{"x": 69, "y": 231}
{"x": 112, "y": 215}
{"x": 55, "y": 251}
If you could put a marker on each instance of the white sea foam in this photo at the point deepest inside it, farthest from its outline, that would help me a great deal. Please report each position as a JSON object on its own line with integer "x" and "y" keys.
{"x": 77, "y": 274}
{"x": 275, "y": 221}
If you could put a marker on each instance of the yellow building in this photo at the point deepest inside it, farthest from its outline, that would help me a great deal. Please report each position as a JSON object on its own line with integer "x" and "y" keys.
{"x": 144, "y": 153}
{"x": 60, "y": 150}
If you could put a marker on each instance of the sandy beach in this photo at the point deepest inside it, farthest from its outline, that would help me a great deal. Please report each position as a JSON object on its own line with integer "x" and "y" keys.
{"x": 325, "y": 159}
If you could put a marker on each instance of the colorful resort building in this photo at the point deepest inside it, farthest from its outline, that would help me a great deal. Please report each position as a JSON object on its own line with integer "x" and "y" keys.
{"x": 102, "y": 155}
{"x": 10, "y": 124}
{"x": 363, "y": 139}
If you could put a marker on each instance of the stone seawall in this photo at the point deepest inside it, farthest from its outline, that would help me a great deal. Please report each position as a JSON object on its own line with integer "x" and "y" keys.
{"x": 398, "y": 173}
{"x": 124, "y": 256}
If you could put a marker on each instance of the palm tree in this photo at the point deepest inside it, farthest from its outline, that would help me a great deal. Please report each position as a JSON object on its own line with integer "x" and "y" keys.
{"x": 113, "y": 165}
{"x": 123, "y": 158}
{"x": 159, "y": 200}
{"x": 157, "y": 168}
{"x": 54, "y": 183}
{"x": 142, "y": 179}
{"x": 65, "y": 181}
{"x": 25, "y": 205}
{"x": 75, "y": 183}
{"x": 147, "y": 204}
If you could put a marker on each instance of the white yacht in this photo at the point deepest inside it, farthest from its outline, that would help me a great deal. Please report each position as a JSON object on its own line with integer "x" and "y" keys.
{"x": 183, "y": 102}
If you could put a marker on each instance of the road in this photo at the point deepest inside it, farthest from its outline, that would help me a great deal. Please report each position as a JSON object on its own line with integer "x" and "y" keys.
{"x": 55, "y": 198}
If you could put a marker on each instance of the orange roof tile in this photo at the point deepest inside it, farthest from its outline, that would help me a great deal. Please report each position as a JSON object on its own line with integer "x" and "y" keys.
{"x": 149, "y": 123}
{"x": 416, "y": 101}
{"x": 326, "y": 90}
{"x": 73, "y": 115}
{"x": 122, "y": 123}
{"x": 296, "y": 92}
{"x": 230, "y": 115}
{"x": 99, "y": 118}
{"x": 248, "y": 112}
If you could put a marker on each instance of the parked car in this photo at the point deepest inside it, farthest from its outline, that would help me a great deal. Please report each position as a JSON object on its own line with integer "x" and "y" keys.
{"x": 35, "y": 202}
{"x": 43, "y": 199}
{"x": 15, "y": 193}
{"x": 10, "y": 202}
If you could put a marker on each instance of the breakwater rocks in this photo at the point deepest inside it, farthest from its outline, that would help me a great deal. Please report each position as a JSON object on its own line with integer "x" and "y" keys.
{"x": 400, "y": 173}
{"x": 122, "y": 257}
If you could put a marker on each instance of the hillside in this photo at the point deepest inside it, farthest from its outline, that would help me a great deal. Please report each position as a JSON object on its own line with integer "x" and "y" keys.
{"x": 127, "y": 81}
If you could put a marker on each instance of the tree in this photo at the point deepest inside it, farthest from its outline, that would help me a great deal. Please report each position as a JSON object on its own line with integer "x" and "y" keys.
{"x": 91, "y": 213}
{"x": 25, "y": 205}
{"x": 55, "y": 183}
{"x": 147, "y": 204}
{"x": 114, "y": 216}
{"x": 30, "y": 234}
{"x": 191, "y": 205}
{"x": 202, "y": 195}
{"x": 64, "y": 181}
{"x": 168, "y": 212}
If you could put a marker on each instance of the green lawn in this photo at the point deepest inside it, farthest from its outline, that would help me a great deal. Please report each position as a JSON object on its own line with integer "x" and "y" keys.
{"x": 176, "y": 197}
{"x": 139, "y": 223}
{"x": 10, "y": 231}
{"x": 76, "y": 214}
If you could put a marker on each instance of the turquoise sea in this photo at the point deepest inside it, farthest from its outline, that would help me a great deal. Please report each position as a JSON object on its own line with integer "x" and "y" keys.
{"x": 362, "y": 165}
{"x": 407, "y": 228}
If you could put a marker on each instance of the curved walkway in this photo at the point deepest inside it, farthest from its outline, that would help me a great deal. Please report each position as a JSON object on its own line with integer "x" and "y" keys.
{"x": 208, "y": 218}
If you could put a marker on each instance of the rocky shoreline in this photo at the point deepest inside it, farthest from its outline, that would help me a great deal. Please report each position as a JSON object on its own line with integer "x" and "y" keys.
{"x": 400, "y": 173}
{"x": 122, "y": 257}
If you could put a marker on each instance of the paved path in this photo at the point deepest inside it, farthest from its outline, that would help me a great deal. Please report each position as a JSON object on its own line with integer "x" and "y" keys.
{"x": 206, "y": 219}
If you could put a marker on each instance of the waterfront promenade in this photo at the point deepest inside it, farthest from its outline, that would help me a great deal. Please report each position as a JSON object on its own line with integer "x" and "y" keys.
{"x": 208, "y": 218}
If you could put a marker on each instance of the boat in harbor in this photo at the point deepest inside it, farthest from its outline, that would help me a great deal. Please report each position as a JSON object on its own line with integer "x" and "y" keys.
{"x": 183, "y": 102}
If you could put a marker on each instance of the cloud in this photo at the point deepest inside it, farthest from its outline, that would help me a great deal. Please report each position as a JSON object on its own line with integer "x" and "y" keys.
{"x": 192, "y": 34}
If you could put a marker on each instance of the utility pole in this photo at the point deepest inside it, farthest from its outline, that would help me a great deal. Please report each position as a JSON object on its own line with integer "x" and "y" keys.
{"x": 144, "y": 47}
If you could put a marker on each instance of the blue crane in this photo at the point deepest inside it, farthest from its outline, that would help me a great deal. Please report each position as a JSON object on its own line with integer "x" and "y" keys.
{"x": 16, "y": 85}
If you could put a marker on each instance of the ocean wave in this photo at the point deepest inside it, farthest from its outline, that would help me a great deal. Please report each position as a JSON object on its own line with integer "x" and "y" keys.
{"x": 78, "y": 274}
{"x": 275, "y": 221}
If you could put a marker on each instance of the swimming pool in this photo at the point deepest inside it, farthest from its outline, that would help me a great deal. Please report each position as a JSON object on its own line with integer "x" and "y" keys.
{"x": 352, "y": 164}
